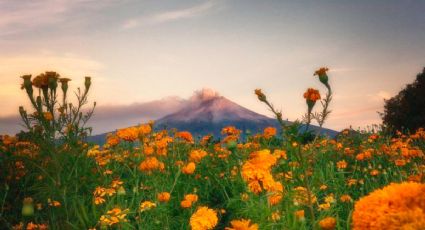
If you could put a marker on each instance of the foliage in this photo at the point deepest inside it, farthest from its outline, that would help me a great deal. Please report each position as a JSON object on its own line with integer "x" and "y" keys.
{"x": 146, "y": 179}
{"x": 406, "y": 110}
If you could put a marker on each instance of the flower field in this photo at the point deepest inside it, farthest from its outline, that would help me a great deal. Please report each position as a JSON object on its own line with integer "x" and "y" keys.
{"x": 143, "y": 178}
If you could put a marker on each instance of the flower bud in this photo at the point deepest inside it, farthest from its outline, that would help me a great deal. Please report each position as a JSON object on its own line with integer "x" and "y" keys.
{"x": 121, "y": 191}
{"x": 53, "y": 81}
{"x": 261, "y": 96}
{"x": 323, "y": 76}
{"x": 64, "y": 84}
{"x": 28, "y": 207}
{"x": 87, "y": 83}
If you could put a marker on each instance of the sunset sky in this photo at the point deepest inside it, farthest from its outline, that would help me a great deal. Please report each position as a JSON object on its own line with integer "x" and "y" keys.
{"x": 138, "y": 51}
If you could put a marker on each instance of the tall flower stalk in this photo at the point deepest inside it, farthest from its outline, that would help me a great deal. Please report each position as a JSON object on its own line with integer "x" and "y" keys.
{"x": 311, "y": 96}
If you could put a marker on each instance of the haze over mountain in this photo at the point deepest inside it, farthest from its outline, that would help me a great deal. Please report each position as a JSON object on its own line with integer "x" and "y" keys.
{"x": 107, "y": 118}
{"x": 208, "y": 112}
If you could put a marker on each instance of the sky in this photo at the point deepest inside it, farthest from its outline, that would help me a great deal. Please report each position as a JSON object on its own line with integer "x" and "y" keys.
{"x": 138, "y": 51}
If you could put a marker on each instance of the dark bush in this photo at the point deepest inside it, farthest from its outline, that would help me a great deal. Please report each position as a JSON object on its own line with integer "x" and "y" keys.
{"x": 406, "y": 111}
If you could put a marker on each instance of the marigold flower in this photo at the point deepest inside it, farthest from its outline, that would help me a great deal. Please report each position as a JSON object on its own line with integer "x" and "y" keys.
{"x": 115, "y": 183}
{"x": 345, "y": 198}
{"x": 312, "y": 95}
{"x": 164, "y": 196}
{"x": 196, "y": 155}
{"x": 374, "y": 172}
{"x": 191, "y": 197}
{"x": 341, "y": 164}
{"x": 269, "y": 132}
{"x": 186, "y": 204}
{"x": 275, "y": 198}
{"x": 145, "y": 129}
{"x": 186, "y": 136}
{"x": 146, "y": 205}
{"x": 301, "y": 196}
{"x": 230, "y": 131}
{"x": 300, "y": 214}
{"x": 242, "y": 224}
{"x": 99, "y": 200}
{"x": 323, "y": 76}
{"x": 53, "y": 203}
{"x": 396, "y": 206}
{"x": 400, "y": 162}
{"x": 328, "y": 223}
{"x": 203, "y": 219}
{"x": 114, "y": 216}
{"x": 150, "y": 164}
{"x": 276, "y": 216}
{"x": 189, "y": 168}
{"x": 112, "y": 140}
{"x": 128, "y": 134}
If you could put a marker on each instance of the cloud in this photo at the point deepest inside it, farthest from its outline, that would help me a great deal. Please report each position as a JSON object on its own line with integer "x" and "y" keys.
{"x": 173, "y": 15}
{"x": 21, "y": 16}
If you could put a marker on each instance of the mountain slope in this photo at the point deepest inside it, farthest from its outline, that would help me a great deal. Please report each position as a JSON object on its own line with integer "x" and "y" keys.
{"x": 208, "y": 112}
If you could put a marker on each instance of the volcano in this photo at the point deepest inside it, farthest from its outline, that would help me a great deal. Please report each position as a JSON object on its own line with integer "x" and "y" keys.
{"x": 208, "y": 112}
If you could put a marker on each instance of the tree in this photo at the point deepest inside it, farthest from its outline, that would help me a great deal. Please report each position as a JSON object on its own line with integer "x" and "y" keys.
{"x": 406, "y": 110}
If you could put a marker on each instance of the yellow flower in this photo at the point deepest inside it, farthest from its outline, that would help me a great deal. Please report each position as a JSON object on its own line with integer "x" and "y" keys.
{"x": 147, "y": 205}
{"x": 99, "y": 200}
{"x": 242, "y": 224}
{"x": 203, "y": 219}
{"x": 328, "y": 223}
{"x": 301, "y": 196}
{"x": 114, "y": 216}
{"x": 396, "y": 206}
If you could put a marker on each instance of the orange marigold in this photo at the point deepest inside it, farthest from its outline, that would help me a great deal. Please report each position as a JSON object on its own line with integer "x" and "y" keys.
{"x": 312, "y": 95}
{"x": 242, "y": 225}
{"x": 186, "y": 136}
{"x": 128, "y": 134}
{"x": 204, "y": 218}
{"x": 164, "y": 196}
{"x": 269, "y": 132}
{"x": 150, "y": 164}
{"x": 189, "y": 168}
{"x": 341, "y": 164}
{"x": 328, "y": 223}
{"x": 396, "y": 206}
{"x": 196, "y": 155}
